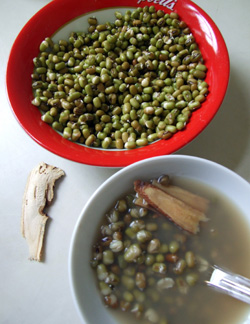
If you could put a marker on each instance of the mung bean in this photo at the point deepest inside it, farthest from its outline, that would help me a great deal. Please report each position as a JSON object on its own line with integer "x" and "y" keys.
{"x": 154, "y": 246}
{"x": 128, "y": 65}
{"x": 108, "y": 257}
{"x": 132, "y": 252}
{"x": 190, "y": 259}
{"x": 116, "y": 245}
{"x": 191, "y": 278}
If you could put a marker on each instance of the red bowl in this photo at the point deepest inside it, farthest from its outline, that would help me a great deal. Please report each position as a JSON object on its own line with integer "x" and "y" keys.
{"x": 60, "y": 12}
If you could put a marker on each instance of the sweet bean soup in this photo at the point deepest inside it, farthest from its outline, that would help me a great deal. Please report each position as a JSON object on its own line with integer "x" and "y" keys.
{"x": 156, "y": 246}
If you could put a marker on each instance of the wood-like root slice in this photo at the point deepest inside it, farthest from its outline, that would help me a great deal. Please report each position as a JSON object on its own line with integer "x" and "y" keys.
{"x": 179, "y": 212}
{"x": 186, "y": 196}
{"x": 39, "y": 192}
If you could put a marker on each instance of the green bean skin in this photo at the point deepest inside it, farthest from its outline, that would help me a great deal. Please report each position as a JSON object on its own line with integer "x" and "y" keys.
{"x": 138, "y": 72}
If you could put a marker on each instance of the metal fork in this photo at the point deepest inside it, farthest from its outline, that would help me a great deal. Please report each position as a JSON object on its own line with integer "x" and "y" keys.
{"x": 230, "y": 283}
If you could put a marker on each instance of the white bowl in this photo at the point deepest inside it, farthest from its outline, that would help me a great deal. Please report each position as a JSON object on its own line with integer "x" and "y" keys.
{"x": 85, "y": 293}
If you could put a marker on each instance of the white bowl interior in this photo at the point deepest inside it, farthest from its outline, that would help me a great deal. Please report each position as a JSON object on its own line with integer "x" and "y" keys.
{"x": 81, "y": 23}
{"x": 83, "y": 284}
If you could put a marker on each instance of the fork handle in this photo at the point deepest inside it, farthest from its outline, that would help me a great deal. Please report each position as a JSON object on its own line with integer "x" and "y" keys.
{"x": 231, "y": 284}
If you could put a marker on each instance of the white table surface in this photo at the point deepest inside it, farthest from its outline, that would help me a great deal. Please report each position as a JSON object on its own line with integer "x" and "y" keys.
{"x": 32, "y": 292}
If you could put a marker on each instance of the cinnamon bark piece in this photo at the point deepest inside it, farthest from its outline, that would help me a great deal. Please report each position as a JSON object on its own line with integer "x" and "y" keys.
{"x": 186, "y": 196}
{"x": 39, "y": 192}
{"x": 182, "y": 214}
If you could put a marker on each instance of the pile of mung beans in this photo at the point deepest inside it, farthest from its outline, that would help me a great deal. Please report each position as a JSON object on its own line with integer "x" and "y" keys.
{"x": 121, "y": 84}
{"x": 143, "y": 263}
